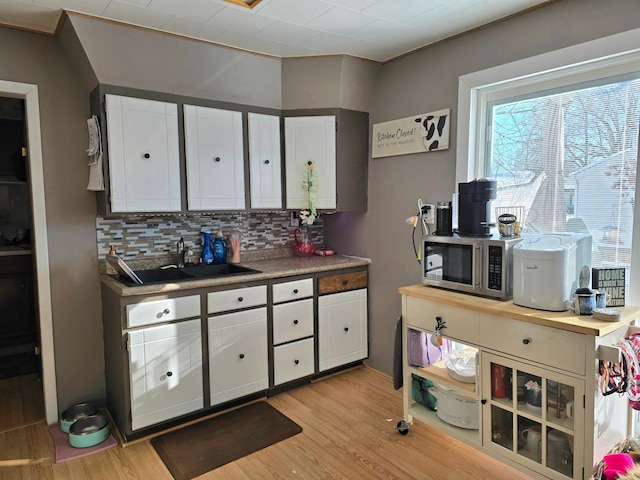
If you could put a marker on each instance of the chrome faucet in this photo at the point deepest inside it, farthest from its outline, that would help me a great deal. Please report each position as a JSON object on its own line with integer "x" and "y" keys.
{"x": 182, "y": 252}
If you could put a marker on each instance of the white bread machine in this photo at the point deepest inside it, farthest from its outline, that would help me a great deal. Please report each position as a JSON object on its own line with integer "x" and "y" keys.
{"x": 547, "y": 269}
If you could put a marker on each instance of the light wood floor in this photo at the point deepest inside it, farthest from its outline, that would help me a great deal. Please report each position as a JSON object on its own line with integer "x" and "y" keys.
{"x": 349, "y": 433}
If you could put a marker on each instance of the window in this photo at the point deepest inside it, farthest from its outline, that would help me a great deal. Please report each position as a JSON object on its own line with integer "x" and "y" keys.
{"x": 562, "y": 142}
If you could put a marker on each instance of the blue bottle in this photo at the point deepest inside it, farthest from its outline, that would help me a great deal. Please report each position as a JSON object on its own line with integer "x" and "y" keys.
{"x": 207, "y": 250}
{"x": 219, "y": 249}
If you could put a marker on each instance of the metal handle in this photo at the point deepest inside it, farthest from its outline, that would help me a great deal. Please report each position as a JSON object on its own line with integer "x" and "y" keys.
{"x": 477, "y": 261}
{"x": 146, "y": 155}
{"x": 166, "y": 311}
{"x": 526, "y": 341}
{"x": 346, "y": 329}
{"x": 296, "y": 362}
{"x": 295, "y": 322}
{"x": 295, "y": 291}
{"x": 169, "y": 374}
{"x": 240, "y": 299}
{"x": 266, "y": 162}
{"x": 217, "y": 159}
{"x": 241, "y": 356}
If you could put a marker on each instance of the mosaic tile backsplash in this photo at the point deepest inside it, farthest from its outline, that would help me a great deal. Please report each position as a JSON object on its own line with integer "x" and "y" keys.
{"x": 263, "y": 235}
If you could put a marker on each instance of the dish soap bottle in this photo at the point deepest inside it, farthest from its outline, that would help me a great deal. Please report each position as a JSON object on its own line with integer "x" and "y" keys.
{"x": 219, "y": 249}
{"x": 110, "y": 269}
{"x": 207, "y": 251}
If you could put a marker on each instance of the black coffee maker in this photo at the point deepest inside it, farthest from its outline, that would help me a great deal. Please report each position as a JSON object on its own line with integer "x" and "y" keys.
{"x": 474, "y": 210}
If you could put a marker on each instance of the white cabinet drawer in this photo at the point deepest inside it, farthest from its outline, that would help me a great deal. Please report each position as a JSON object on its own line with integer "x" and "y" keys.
{"x": 292, "y": 361}
{"x": 284, "y": 292}
{"x": 292, "y": 321}
{"x": 549, "y": 346}
{"x": 236, "y": 298}
{"x": 460, "y": 324}
{"x": 159, "y": 311}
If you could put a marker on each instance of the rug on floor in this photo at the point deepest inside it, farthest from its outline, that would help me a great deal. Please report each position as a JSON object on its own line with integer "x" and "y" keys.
{"x": 65, "y": 452}
{"x": 204, "y": 446}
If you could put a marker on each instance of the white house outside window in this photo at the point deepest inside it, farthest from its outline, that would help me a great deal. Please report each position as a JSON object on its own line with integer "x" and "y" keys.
{"x": 562, "y": 142}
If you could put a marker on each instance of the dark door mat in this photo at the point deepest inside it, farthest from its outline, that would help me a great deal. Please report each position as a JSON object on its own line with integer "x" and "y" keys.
{"x": 199, "y": 448}
{"x": 19, "y": 364}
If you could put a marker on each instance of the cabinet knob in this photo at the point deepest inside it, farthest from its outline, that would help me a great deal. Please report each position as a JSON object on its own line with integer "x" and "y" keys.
{"x": 169, "y": 374}
{"x": 526, "y": 341}
{"x": 483, "y": 401}
{"x": 296, "y": 362}
{"x": 240, "y": 299}
{"x": 217, "y": 159}
{"x": 346, "y": 329}
{"x": 295, "y": 322}
{"x": 146, "y": 155}
{"x": 295, "y": 291}
{"x": 166, "y": 311}
{"x": 344, "y": 282}
{"x": 266, "y": 162}
{"x": 309, "y": 162}
{"x": 241, "y": 356}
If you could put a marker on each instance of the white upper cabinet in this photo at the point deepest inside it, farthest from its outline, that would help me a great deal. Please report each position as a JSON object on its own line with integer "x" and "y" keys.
{"x": 264, "y": 161}
{"x": 215, "y": 158}
{"x": 306, "y": 139}
{"x": 144, "y": 159}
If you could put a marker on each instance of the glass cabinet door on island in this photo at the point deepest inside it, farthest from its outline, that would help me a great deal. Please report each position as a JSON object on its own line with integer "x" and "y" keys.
{"x": 534, "y": 416}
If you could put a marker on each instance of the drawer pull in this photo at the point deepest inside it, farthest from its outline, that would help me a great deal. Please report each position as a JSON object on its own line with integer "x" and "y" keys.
{"x": 241, "y": 356}
{"x": 296, "y": 362}
{"x": 169, "y": 374}
{"x": 217, "y": 159}
{"x": 166, "y": 311}
{"x": 295, "y": 291}
{"x": 240, "y": 299}
{"x": 146, "y": 155}
{"x": 295, "y": 322}
{"x": 266, "y": 162}
{"x": 345, "y": 281}
{"x": 346, "y": 329}
{"x": 526, "y": 341}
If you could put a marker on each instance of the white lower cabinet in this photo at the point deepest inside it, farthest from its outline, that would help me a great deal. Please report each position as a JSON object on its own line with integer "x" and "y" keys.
{"x": 238, "y": 361}
{"x": 165, "y": 365}
{"x": 517, "y": 426}
{"x": 342, "y": 328}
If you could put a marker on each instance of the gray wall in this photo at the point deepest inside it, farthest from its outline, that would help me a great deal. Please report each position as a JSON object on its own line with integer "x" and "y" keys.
{"x": 427, "y": 81}
{"x": 418, "y": 83}
{"x": 71, "y": 210}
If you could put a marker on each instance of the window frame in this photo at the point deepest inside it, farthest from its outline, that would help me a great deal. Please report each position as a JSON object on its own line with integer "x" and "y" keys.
{"x": 614, "y": 54}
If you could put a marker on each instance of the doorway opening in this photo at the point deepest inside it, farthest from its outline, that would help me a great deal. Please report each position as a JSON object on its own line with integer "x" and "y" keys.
{"x": 33, "y": 173}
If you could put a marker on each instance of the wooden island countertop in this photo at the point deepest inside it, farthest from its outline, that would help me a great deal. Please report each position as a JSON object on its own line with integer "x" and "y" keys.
{"x": 568, "y": 321}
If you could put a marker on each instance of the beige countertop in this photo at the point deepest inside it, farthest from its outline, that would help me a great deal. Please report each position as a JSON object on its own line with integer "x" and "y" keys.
{"x": 269, "y": 268}
{"x": 568, "y": 321}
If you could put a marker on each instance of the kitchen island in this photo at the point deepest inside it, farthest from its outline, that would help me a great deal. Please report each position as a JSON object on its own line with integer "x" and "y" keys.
{"x": 181, "y": 350}
{"x": 556, "y": 353}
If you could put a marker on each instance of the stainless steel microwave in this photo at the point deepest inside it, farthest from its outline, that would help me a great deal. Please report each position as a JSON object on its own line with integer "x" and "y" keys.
{"x": 481, "y": 266}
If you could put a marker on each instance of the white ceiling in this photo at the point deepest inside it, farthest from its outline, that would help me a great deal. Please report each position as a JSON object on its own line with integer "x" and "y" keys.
{"x": 377, "y": 30}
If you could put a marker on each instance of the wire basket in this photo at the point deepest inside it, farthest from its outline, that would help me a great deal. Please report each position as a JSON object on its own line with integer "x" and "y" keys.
{"x": 519, "y": 212}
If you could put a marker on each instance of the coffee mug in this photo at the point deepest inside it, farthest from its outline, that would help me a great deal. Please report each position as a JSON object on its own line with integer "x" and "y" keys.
{"x": 559, "y": 410}
{"x": 583, "y": 303}
{"x": 602, "y": 298}
{"x": 532, "y": 439}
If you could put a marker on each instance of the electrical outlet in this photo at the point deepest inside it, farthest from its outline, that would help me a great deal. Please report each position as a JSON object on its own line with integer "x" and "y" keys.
{"x": 430, "y": 216}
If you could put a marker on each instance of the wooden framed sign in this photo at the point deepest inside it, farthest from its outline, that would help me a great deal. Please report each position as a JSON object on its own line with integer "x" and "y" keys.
{"x": 427, "y": 132}
{"x": 610, "y": 280}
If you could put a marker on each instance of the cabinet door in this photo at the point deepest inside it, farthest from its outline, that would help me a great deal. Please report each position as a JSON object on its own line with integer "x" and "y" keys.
{"x": 264, "y": 161}
{"x": 308, "y": 138}
{"x": 144, "y": 159}
{"x": 215, "y": 158}
{"x": 533, "y": 416}
{"x": 238, "y": 360}
{"x": 342, "y": 328}
{"x": 165, "y": 365}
